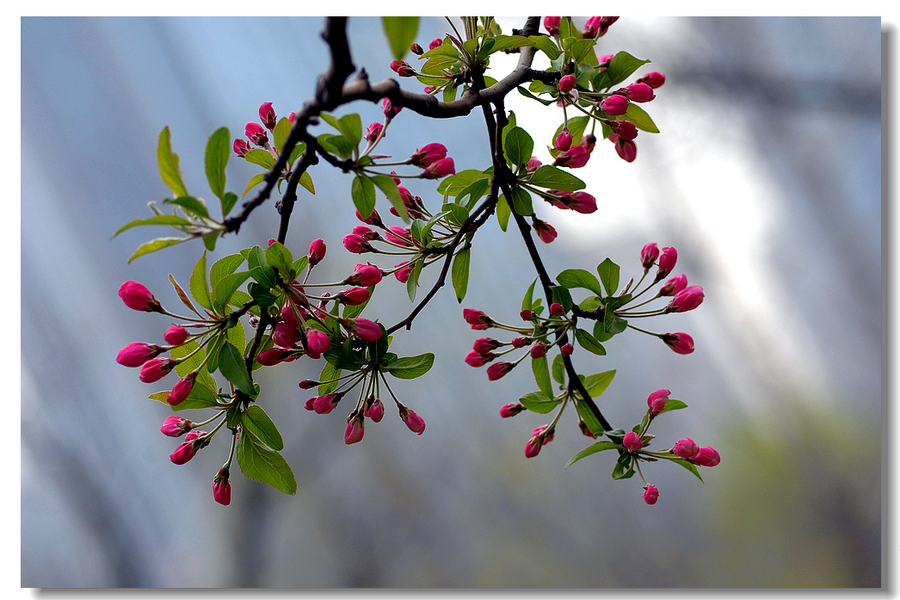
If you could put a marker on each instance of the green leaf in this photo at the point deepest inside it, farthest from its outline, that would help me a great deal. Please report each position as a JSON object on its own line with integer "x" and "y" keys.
{"x": 518, "y": 146}
{"x": 413, "y": 282}
{"x": 350, "y": 127}
{"x": 539, "y": 402}
{"x": 363, "y": 192}
{"x": 281, "y": 132}
{"x": 260, "y": 269}
{"x": 689, "y": 466}
{"x": 545, "y": 45}
{"x": 562, "y": 295}
{"x": 168, "y": 164}
{"x": 551, "y": 177}
{"x": 198, "y": 285}
{"x": 217, "y": 153}
{"x": 579, "y": 278}
{"x": 389, "y": 187}
{"x": 224, "y": 288}
{"x": 228, "y": 202}
{"x": 640, "y": 118}
{"x": 503, "y": 212}
{"x": 521, "y": 200}
{"x": 224, "y": 266}
{"x": 231, "y": 363}
{"x": 278, "y": 256}
{"x": 593, "y": 449}
{"x": 257, "y": 461}
{"x": 609, "y": 275}
{"x": 307, "y": 182}
{"x": 410, "y": 367}
{"x": 190, "y": 205}
{"x": 596, "y": 384}
{"x": 588, "y": 417}
{"x": 261, "y": 294}
{"x": 157, "y": 244}
{"x": 672, "y": 404}
{"x": 454, "y": 184}
{"x": 460, "y": 272}
{"x": 622, "y": 66}
{"x": 256, "y": 421}
{"x": 254, "y": 181}
{"x": 401, "y": 33}
{"x": 589, "y": 342}
{"x": 542, "y": 375}
{"x": 173, "y": 220}
{"x": 502, "y": 42}
{"x": 527, "y": 300}
{"x": 527, "y": 94}
{"x": 260, "y": 157}
{"x": 328, "y": 377}
{"x": 613, "y": 323}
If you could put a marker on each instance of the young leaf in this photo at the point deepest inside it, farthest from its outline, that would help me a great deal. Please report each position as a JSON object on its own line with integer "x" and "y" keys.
{"x": 589, "y": 342}
{"x": 542, "y": 375}
{"x": 596, "y": 384}
{"x": 254, "y": 181}
{"x": 673, "y": 404}
{"x": 363, "y": 192}
{"x": 168, "y": 164}
{"x": 609, "y": 275}
{"x": 460, "y": 272}
{"x": 190, "y": 205}
{"x": 640, "y": 118}
{"x": 552, "y": 177}
{"x": 503, "y": 212}
{"x": 562, "y": 295}
{"x": 260, "y": 157}
{"x": 592, "y": 449}
{"x": 526, "y": 301}
{"x": 588, "y": 416}
{"x": 307, "y": 182}
{"x": 539, "y": 402}
{"x": 278, "y": 256}
{"x": 157, "y": 244}
{"x": 257, "y": 461}
{"x": 224, "y": 266}
{"x": 558, "y": 370}
{"x": 410, "y": 367}
{"x": 217, "y": 153}
{"x": 281, "y": 132}
{"x": 689, "y": 466}
{"x": 173, "y": 220}
{"x": 518, "y": 146}
{"x": 389, "y": 188}
{"x": 401, "y": 33}
{"x": 579, "y": 278}
{"x": 260, "y": 269}
{"x": 226, "y": 286}
{"x": 521, "y": 200}
{"x": 621, "y": 66}
{"x": 256, "y": 421}
{"x": 231, "y": 363}
{"x": 413, "y": 282}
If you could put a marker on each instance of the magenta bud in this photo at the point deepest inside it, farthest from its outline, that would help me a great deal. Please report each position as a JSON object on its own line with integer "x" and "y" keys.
{"x": 573, "y": 158}
{"x": 355, "y": 430}
{"x": 323, "y": 405}
{"x": 616, "y": 104}
{"x": 222, "y": 487}
{"x": 526, "y": 315}
{"x": 365, "y": 275}
{"x": 563, "y": 141}
{"x": 241, "y": 148}
{"x": 317, "y": 342}
{"x": 686, "y": 448}
{"x": 373, "y": 132}
{"x": 316, "y": 252}
{"x": 651, "y": 494}
{"x": 498, "y": 370}
{"x": 307, "y": 384}
{"x": 667, "y": 259}
{"x": 566, "y": 349}
{"x": 478, "y": 359}
{"x": 679, "y": 342}
{"x": 654, "y": 79}
{"x": 511, "y": 409}
{"x": 626, "y": 149}
{"x": 415, "y": 423}
{"x": 390, "y": 111}
{"x": 435, "y": 43}
{"x": 364, "y": 329}
{"x": 402, "y": 68}
{"x": 551, "y": 24}
{"x": 356, "y": 243}
{"x": 136, "y": 354}
{"x": 625, "y": 130}
{"x": 175, "y": 426}
{"x": 485, "y": 345}
{"x": 532, "y": 165}
{"x": 687, "y": 299}
{"x": 353, "y": 296}
{"x": 136, "y": 296}
{"x": 477, "y": 319}
{"x": 156, "y": 368}
{"x": 416, "y": 49}
{"x": 566, "y": 83}
{"x": 193, "y": 441}
{"x": 657, "y": 401}
{"x": 538, "y": 350}
{"x": 375, "y": 410}
{"x": 175, "y": 335}
{"x": 707, "y": 456}
{"x": 673, "y": 286}
{"x": 649, "y": 254}
{"x": 533, "y": 447}
{"x": 632, "y": 441}
{"x": 520, "y": 342}
{"x": 267, "y": 115}
{"x": 639, "y": 92}
{"x": 440, "y": 168}
{"x": 181, "y": 389}
{"x": 256, "y": 134}
{"x": 557, "y": 310}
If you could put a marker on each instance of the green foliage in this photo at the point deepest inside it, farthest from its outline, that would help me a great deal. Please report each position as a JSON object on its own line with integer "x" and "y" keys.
{"x": 401, "y": 33}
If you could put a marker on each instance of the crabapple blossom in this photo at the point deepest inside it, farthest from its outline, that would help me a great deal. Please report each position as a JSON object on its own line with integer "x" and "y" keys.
{"x": 136, "y": 354}
{"x": 651, "y": 494}
{"x": 680, "y": 342}
{"x": 657, "y": 401}
{"x": 707, "y": 456}
{"x": 222, "y": 487}
{"x": 632, "y": 441}
{"x": 686, "y": 448}
{"x": 136, "y": 296}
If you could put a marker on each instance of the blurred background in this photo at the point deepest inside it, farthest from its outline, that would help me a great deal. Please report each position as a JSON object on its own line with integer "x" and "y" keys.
{"x": 766, "y": 178}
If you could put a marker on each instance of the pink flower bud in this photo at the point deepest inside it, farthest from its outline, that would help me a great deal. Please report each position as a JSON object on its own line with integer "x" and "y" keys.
{"x": 273, "y": 356}
{"x": 485, "y": 345}
{"x": 428, "y": 154}
{"x": 316, "y": 252}
{"x": 707, "y": 457}
{"x": 357, "y": 244}
{"x": 256, "y": 134}
{"x": 685, "y": 448}
{"x": 435, "y": 43}
{"x": 498, "y": 370}
{"x": 563, "y": 141}
{"x": 355, "y": 430}
{"x": 545, "y": 231}
{"x": 477, "y": 359}
{"x": 592, "y": 28}
{"x": 181, "y": 389}
{"x": 551, "y": 24}
{"x": 308, "y": 384}
{"x": 398, "y": 235}
{"x": 511, "y": 409}
{"x": 614, "y": 105}
{"x": 317, "y": 343}
{"x": 532, "y": 165}
{"x": 520, "y": 342}
{"x": 574, "y": 158}
{"x": 222, "y": 487}
{"x": 241, "y": 148}
{"x": 373, "y": 132}
{"x": 136, "y": 354}
{"x": 557, "y": 310}
{"x": 657, "y": 401}
{"x": 566, "y": 83}
{"x": 626, "y": 149}
{"x": 267, "y": 115}
{"x": 538, "y": 350}
{"x": 582, "y": 202}
{"x": 375, "y": 410}
{"x": 440, "y": 168}
{"x": 632, "y": 441}
{"x": 415, "y": 423}
{"x": 586, "y": 430}
{"x": 176, "y": 426}
{"x": 138, "y": 297}
{"x": 156, "y": 368}
{"x": 175, "y": 335}
{"x": 687, "y": 299}
{"x": 364, "y": 329}
{"x": 365, "y": 275}
{"x": 667, "y": 259}
{"x": 680, "y": 342}
{"x": 533, "y": 447}
{"x": 353, "y": 296}
{"x": 323, "y": 405}
{"x": 673, "y": 286}
{"x": 654, "y": 79}
{"x": 416, "y": 49}
{"x": 477, "y": 319}
{"x": 625, "y": 130}
{"x": 639, "y": 92}
{"x": 365, "y": 232}
{"x": 566, "y": 349}
{"x": 526, "y": 315}
{"x": 651, "y": 494}
{"x": 403, "y": 274}
{"x": 649, "y": 254}
{"x": 193, "y": 441}
{"x": 402, "y": 68}
{"x": 390, "y": 111}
